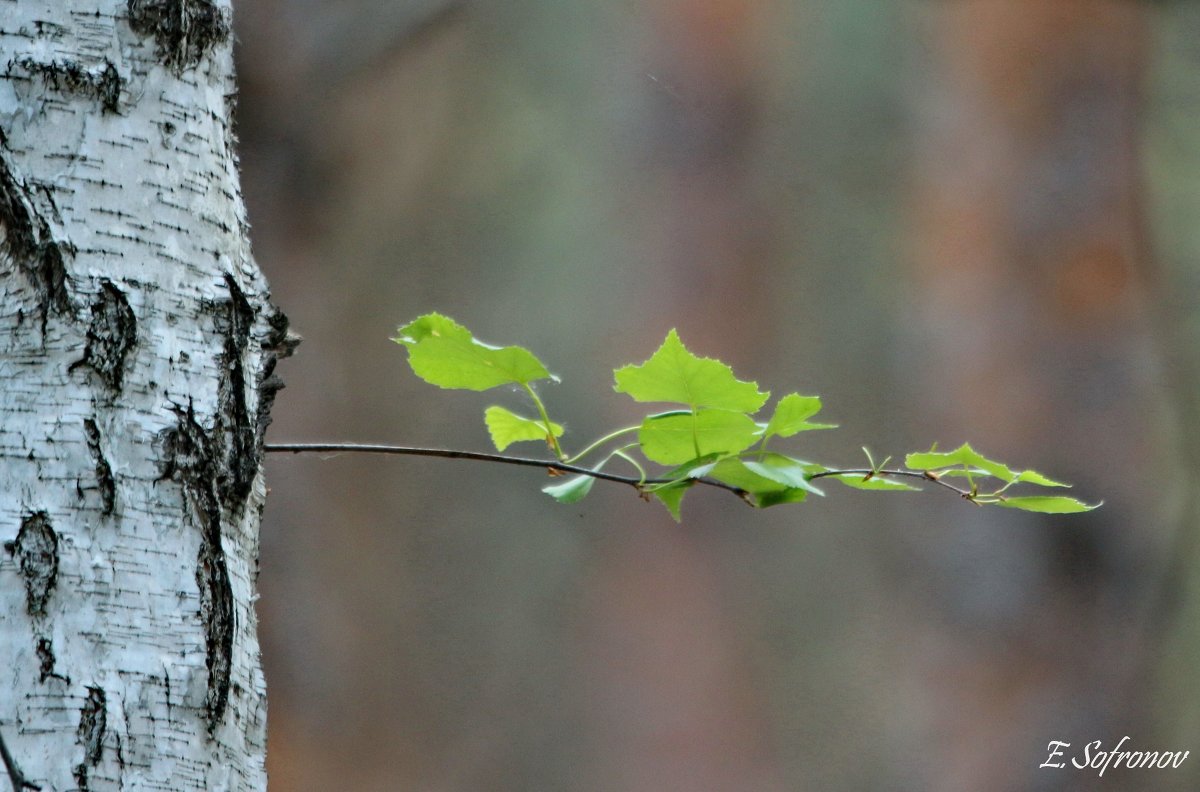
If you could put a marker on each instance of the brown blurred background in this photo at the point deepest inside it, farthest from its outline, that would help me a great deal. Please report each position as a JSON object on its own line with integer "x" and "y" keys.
{"x": 953, "y": 219}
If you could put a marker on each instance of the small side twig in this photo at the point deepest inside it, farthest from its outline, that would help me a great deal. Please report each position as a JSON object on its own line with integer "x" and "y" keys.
{"x": 19, "y": 784}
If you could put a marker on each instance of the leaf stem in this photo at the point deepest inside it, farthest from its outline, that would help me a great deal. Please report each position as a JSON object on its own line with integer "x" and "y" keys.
{"x": 621, "y": 453}
{"x": 600, "y": 442}
{"x": 541, "y": 408}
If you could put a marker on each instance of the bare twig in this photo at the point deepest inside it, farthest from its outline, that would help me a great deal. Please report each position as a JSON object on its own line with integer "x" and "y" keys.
{"x": 916, "y": 474}
{"x": 19, "y": 784}
{"x": 546, "y": 464}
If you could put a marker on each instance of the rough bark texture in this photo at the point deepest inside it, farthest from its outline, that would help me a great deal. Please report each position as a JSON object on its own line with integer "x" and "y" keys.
{"x": 137, "y": 345}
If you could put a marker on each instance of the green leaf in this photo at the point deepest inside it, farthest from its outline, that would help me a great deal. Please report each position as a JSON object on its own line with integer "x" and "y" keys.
{"x": 507, "y": 427}
{"x": 672, "y": 497}
{"x": 692, "y": 469}
{"x": 673, "y": 374}
{"x": 679, "y": 436}
{"x": 570, "y": 491}
{"x": 857, "y": 481}
{"x": 965, "y": 455}
{"x": 783, "y": 470}
{"x": 763, "y": 491}
{"x": 1047, "y": 504}
{"x": 791, "y": 416}
{"x": 444, "y": 353}
{"x": 1033, "y": 477}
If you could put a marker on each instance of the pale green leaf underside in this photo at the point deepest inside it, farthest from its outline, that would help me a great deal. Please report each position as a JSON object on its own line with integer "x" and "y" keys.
{"x": 782, "y": 470}
{"x": 763, "y": 490}
{"x": 444, "y": 353}
{"x": 570, "y": 491}
{"x": 677, "y": 437}
{"x": 673, "y": 374}
{"x": 506, "y": 428}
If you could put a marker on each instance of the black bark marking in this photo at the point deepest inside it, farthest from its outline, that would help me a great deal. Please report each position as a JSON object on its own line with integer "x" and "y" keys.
{"x": 104, "y": 475}
{"x": 103, "y": 84}
{"x": 30, "y": 242}
{"x": 93, "y": 722}
{"x": 111, "y": 335}
{"x": 190, "y": 460}
{"x": 184, "y": 30}
{"x": 46, "y": 659}
{"x": 278, "y": 344}
{"x": 236, "y": 433}
{"x": 37, "y": 554}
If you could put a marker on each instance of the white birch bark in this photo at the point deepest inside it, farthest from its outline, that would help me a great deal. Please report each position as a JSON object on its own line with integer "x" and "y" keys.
{"x": 136, "y": 349}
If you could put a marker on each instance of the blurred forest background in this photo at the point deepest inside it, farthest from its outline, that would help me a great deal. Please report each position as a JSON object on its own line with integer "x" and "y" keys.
{"x": 954, "y": 220}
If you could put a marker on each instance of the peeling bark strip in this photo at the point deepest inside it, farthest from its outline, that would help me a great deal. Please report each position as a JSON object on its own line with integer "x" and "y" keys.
{"x": 191, "y": 462}
{"x": 30, "y": 242}
{"x": 93, "y": 722}
{"x": 104, "y": 84}
{"x": 185, "y": 30}
{"x": 104, "y": 475}
{"x": 37, "y": 554}
{"x": 110, "y": 337}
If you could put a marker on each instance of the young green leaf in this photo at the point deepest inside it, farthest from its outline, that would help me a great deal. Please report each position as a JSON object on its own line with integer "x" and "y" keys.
{"x": 763, "y": 491}
{"x": 444, "y": 353}
{"x": 692, "y": 469}
{"x": 965, "y": 455}
{"x": 679, "y": 436}
{"x": 507, "y": 427}
{"x": 1047, "y": 504}
{"x": 572, "y": 490}
{"x": 672, "y": 497}
{"x": 673, "y": 374}
{"x": 791, "y": 416}
{"x": 783, "y": 470}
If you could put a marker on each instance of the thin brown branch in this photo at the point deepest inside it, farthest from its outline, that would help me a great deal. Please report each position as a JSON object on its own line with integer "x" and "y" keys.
{"x": 445, "y": 453}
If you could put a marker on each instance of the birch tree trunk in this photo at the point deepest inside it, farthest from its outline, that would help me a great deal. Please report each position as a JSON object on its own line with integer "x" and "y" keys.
{"x": 136, "y": 352}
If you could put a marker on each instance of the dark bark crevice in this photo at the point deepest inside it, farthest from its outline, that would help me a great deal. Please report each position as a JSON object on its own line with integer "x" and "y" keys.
{"x": 46, "y": 660}
{"x": 93, "y": 723}
{"x": 102, "y": 84}
{"x": 29, "y": 240}
{"x": 36, "y": 548}
{"x": 236, "y": 435}
{"x": 279, "y": 343}
{"x": 104, "y": 474}
{"x": 185, "y": 31}
{"x": 111, "y": 336}
{"x": 190, "y": 460}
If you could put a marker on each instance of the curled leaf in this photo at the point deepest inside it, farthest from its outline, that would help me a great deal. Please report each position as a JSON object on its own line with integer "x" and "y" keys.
{"x": 572, "y": 490}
